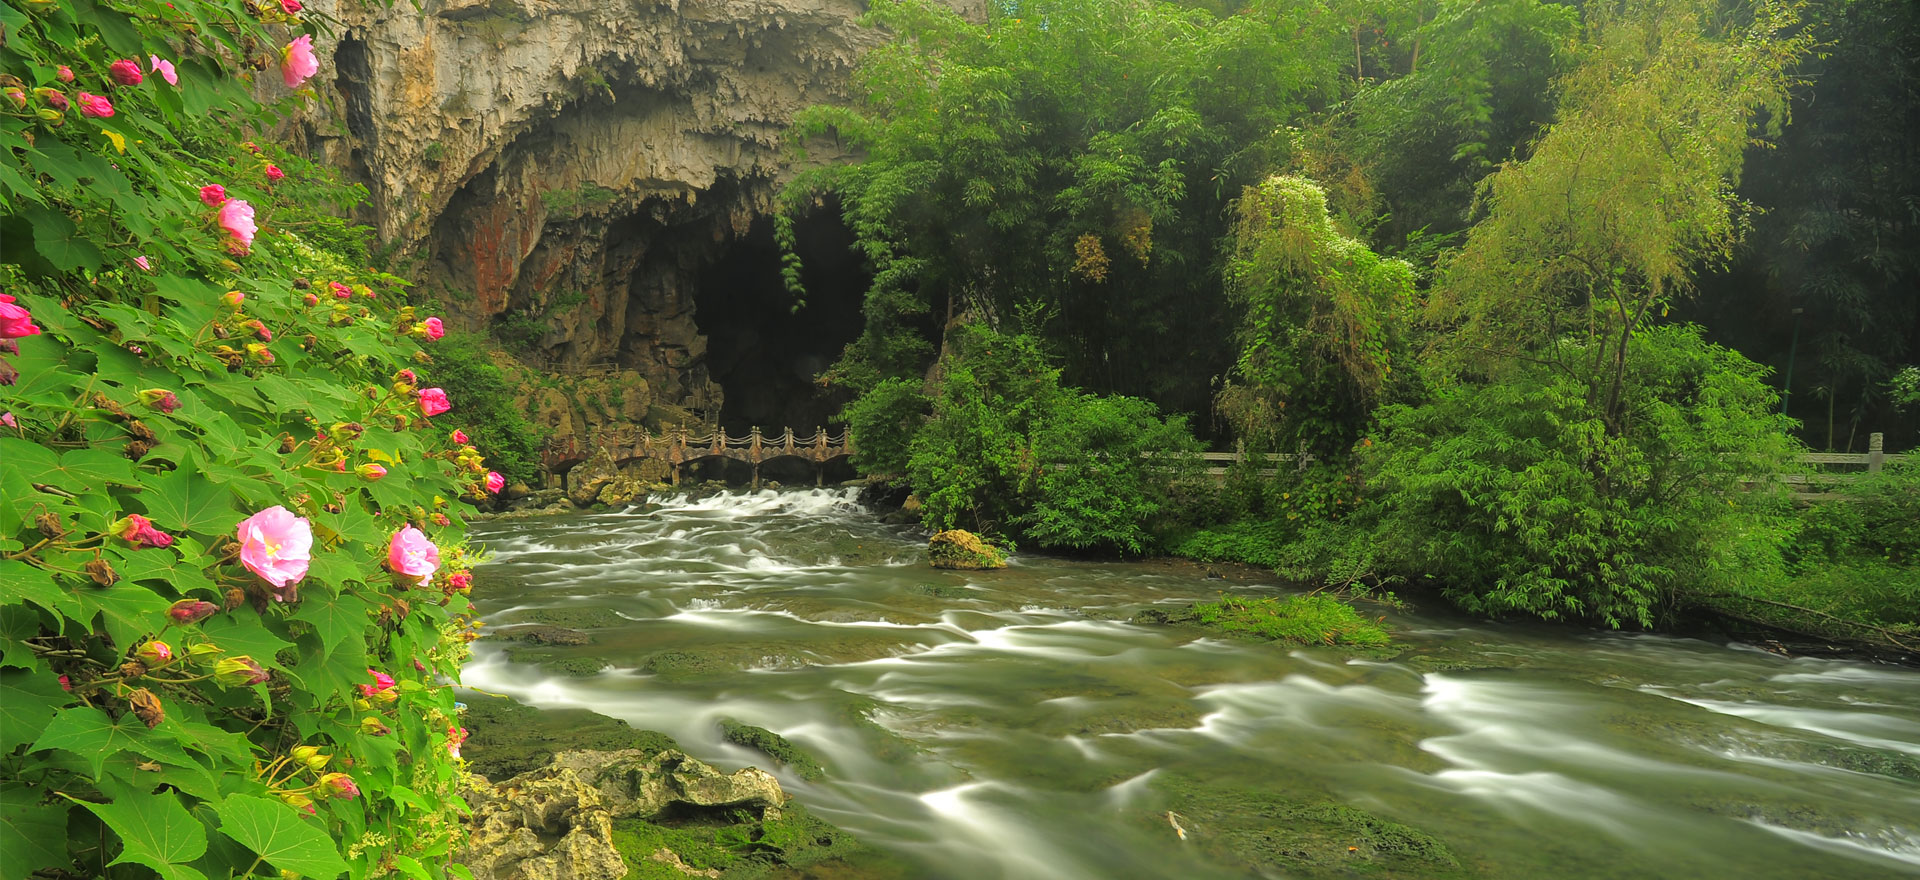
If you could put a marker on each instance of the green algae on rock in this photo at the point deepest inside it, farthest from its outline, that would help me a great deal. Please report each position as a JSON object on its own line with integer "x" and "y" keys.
{"x": 774, "y": 746}
{"x": 506, "y": 738}
{"x": 964, "y": 551}
{"x": 1271, "y": 834}
{"x": 1302, "y": 620}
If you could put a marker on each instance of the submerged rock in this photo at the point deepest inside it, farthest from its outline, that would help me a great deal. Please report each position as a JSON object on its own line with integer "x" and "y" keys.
{"x": 963, "y": 550}
{"x": 774, "y": 746}
{"x": 541, "y": 634}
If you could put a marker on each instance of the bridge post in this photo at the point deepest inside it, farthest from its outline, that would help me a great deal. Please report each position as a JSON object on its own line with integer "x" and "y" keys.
{"x": 1876, "y": 452}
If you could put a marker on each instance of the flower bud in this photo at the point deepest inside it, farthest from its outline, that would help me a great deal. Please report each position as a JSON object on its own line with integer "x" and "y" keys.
{"x": 372, "y": 726}
{"x": 155, "y": 654}
{"x": 188, "y": 611}
{"x": 260, "y": 353}
{"x": 339, "y": 785}
{"x": 239, "y": 671}
{"x": 370, "y": 471}
{"x": 233, "y": 298}
{"x": 160, "y": 399}
{"x": 100, "y": 572}
{"x": 310, "y": 300}
{"x": 298, "y": 801}
{"x": 204, "y": 651}
{"x": 310, "y": 756}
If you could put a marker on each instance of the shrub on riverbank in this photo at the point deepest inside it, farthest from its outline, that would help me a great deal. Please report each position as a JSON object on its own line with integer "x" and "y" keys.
{"x": 233, "y": 568}
{"x": 1312, "y": 619}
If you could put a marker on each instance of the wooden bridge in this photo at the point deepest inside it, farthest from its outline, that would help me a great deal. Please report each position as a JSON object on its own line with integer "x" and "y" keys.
{"x": 678, "y": 447}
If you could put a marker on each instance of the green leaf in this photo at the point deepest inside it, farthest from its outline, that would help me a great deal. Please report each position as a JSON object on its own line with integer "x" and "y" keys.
{"x": 17, "y": 624}
{"x": 33, "y": 834}
{"x": 130, "y": 611}
{"x": 28, "y": 700}
{"x": 278, "y": 834}
{"x": 20, "y": 582}
{"x": 183, "y": 500}
{"x": 338, "y": 620}
{"x": 156, "y": 832}
{"x": 89, "y": 733}
{"x": 244, "y": 634}
{"x": 55, "y": 237}
{"x": 83, "y": 470}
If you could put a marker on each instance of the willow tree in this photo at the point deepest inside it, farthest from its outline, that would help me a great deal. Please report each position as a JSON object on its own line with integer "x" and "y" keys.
{"x": 1321, "y": 319}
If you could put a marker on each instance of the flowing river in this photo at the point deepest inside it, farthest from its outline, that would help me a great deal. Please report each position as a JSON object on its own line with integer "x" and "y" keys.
{"x": 1012, "y": 724}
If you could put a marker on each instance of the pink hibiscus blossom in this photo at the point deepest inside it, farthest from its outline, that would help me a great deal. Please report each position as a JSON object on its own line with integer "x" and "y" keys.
{"x": 93, "y": 105}
{"x": 213, "y": 194}
{"x": 139, "y": 531}
{"x": 381, "y": 682}
{"x": 126, "y": 72}
{"x": 435, "y": 329}
{"x": 460, "y": 437}
{"x": 65, "y": 73}
{"x": 236, "y": 217}
{"x": 143, "y": 263}
{"x": 410, "y": 554}
{"x": 433, "y": 401}
{"x": 495, "y": 482}
{"x": 165, "y": 69}
{"x": 15, "y": 321}
{"x": 290, "y": 6}
{"x": 274, "y": 173}
{"x": 297, "y": 62}
{"x": 277, "y": 546}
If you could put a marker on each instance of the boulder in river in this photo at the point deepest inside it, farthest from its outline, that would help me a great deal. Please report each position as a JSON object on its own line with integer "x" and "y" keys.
{"x": 556, "y": 822}
{"x": 963, "y": 550}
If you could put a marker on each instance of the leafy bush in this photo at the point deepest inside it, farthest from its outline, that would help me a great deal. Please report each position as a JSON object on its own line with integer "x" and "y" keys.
{"x": 882, "y": 422}
{"x": 498, "y": 428}
{"x": 1515, "y": 496}
{"x": 1008, "y": 449}
{"x": 224, "y": 622}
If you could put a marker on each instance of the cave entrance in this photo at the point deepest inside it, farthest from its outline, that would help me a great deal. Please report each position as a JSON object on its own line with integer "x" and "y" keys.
{"x": 764, "y": 355}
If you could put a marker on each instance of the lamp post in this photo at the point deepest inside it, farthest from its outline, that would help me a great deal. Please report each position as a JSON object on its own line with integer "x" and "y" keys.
{"x": 1786, "y": 389}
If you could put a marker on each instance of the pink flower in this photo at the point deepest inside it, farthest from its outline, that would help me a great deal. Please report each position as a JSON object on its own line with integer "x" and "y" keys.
{"x": 65, "y": 74}
{"x": 277, "y": 546}
{"x": 340, "y": 291}
{"x": 433, "y": 402}
{"x": 6, "y": 418}
{"x": 274, "y": 173}
{"x": 58, "y": 99}
{"x": 455, "y": 736}
{"x": 143, "y": 263}
{"x": 95, "y": 106}
{"x": 407, "y": 376}
{"x": 236, "y": 217}
{"x": 290, "y": 6}
{"x": 297, "y": 62}
{"x": 381, "y": 682}
{"x": 260, "y": 330}
{"x": 460, "y": 437}
{"x": 435, "y": 329}
{"x": 160, "y": 399}
{"x": 66, "y": 684}
{"x": 213, "y": 194}
{"x": 126, "y": 72}
{"x": 495, "y": 482}
{"x": 461, "y": 581}
{"x": 15, "y": 321}
{"x": 139, "y": 531}
{"x": 188, "y": 611}
{"x": 310, "y": 300}
{"x": 165, "y": 69}
{"x": 370, "y": 472}
{"x": 410, "y": 554}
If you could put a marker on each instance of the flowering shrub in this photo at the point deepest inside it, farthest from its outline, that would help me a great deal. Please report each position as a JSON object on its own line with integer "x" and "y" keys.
{"x": 232, "y": 572}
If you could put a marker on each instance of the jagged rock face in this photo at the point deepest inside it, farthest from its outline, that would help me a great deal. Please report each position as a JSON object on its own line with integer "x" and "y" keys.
{"x": 574, "y": 164}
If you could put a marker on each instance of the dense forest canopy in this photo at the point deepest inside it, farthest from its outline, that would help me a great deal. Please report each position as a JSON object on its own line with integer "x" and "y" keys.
{"x": 1480, "y": 260}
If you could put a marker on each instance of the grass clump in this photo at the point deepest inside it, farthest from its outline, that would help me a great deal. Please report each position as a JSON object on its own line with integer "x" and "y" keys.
{"x": 737, "y": 845}
{"x": 1305, "y": 620}
{"x": 774, "y": 746}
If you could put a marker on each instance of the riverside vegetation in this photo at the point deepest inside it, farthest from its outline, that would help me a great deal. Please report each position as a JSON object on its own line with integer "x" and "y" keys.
{"x": 232, "y": 569}
{"x": 1447, "y": 249}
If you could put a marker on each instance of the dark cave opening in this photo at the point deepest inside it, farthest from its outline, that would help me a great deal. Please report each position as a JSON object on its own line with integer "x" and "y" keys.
{"x": 764, "y": 355}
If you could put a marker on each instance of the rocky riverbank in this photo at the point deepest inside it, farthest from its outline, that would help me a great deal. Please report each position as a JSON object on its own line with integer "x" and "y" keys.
{"x": 570, "y": 794}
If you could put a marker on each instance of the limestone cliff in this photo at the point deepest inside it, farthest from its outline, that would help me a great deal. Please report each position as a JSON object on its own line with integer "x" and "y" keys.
{"x": 562, "y": 169}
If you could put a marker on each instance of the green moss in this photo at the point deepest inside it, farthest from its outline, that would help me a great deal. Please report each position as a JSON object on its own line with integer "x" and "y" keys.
{"x": 1302, "y": 620}
{"x": 559, "y": 664}
{"x": 741, "y": 849}
{"x": 677, "y": 665}
{"x": 774, "y": 746}
{"x": 507, "y": 738}
{"x": 1269, "y": 834}
{"x": 963, "y": 550}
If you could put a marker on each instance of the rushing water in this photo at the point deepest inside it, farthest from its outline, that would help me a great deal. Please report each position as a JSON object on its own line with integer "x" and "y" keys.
{"x": 1012, "y": 724}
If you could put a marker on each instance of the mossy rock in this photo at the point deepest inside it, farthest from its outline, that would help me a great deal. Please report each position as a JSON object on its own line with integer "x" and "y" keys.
{"x": 740, "y": 849}
{"x": 774, "y": 746}
{"x": 506, "y": 738}
{"x": 680, "y": 665}
{"x": 541, "y": 634}
{"x": 1268, "y": 835}
{"x": 558, "y": 664}
{"x": 963, "y": 551}
{"x": 591, "y": 617}
{"x": 945, "y": 591}
{"x": 1301, "y": 620}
